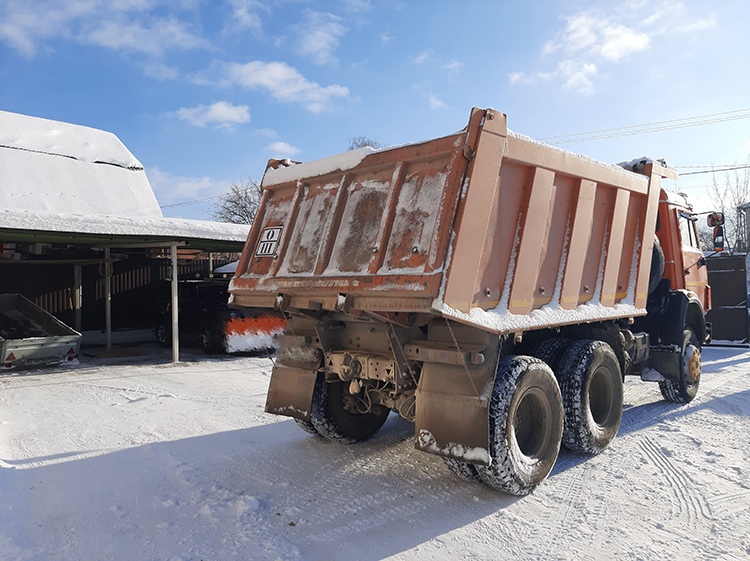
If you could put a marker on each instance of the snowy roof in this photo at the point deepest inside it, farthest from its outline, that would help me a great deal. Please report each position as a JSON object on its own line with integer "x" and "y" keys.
{"x": 59, "y": 177}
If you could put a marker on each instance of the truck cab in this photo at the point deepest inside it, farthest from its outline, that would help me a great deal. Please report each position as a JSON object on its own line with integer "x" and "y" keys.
{"x": 684, "y": 263}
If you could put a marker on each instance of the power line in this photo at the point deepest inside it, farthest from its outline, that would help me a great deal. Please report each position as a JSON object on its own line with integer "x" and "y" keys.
{"x": 717, "y": 167}
{"x": 713, "y": 170}
{"x": 656, "y": 126}
{"x": 185, "y": 203}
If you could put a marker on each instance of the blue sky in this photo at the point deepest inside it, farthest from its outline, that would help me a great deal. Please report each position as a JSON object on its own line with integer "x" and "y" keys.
{"x": 203, "y": 92}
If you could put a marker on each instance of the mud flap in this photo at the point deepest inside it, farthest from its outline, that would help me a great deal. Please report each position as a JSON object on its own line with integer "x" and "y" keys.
{"x": 452, "y": 416}
{"x": 666, "y": 362}
{"x": 290, "y": 392}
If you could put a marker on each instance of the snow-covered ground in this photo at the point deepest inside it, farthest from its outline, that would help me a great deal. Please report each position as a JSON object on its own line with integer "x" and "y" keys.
{"x": 138, "y": 459}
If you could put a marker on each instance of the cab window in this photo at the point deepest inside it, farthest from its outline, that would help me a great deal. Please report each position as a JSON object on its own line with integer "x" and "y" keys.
{"x": 688, "y": 231}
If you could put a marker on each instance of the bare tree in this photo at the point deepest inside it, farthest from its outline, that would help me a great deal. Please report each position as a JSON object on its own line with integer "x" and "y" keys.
{"x": 706, "y": 237}
{"x": 363, "y": 141}
{"x": 239, "y": 204}
{"x": 728, "y": 193}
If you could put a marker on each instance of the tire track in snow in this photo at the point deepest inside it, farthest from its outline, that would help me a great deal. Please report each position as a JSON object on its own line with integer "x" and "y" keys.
{"x": 345, "y": 514}
{"x": 730, "y": 505}
{"x": 695, "y": 510}
{"x": 552, "y": 523}
{"x": 550, "y": 529}
{"x": 161, "y": 393}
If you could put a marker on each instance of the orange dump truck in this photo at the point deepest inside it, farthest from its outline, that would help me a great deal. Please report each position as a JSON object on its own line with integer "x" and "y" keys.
{"x": 491, "y": 289}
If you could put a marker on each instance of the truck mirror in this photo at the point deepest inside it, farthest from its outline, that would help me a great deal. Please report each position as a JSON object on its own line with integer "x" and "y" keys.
{"x": 719, "y": 238}
{"x": 715, "y": 219}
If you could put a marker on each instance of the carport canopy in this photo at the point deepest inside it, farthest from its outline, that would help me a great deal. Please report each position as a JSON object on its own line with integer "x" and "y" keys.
{"x": 72, "y": 185}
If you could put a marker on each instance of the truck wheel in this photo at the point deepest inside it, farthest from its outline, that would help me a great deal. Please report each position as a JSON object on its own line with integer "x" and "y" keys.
{"x": 591, "y": 386}
{"x": 464, "y": 470}
{"x": 550, "y": 351}
{"x": 306, "y": 426}
{"x": 526, "y": 423}
{"x": 212, "y": 342}
{"x": 685, "y": 390}
{"x": 333, "y": 421}
{"x": 163, "y": 335}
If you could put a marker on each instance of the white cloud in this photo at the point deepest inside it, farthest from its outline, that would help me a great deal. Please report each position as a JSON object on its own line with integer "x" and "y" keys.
{"x": 422, "y": 57}
{"x": 282, "y": 150}
{"x": 619, "y": 41}
{"x": 267, "y": 133}
{"x": 356, "y": 6}
{"x": 697, "y": 25}
{"x": 578, "y": 76}
{"x": 386, "y": 37}
{"x": 152, "y": 40}
{"x": 127, "y": 25}
{"x": 672, "y": 16}
{"x": 283, "y": 82}
{"x": 453, "y": 67}
{"x": 222, "y": 113}
{"x": 437, "y": 103}
{"x": 594, "y": 34}
{"x": 318, "y": 37}
{"x": 245, "y": 16}
{"x": 533, "y": 78}
{"x": 160, "y": 71}
{"x": 24, "y": 24}
{"x": 171, "y": 189}
{"x": 594, "y": 39}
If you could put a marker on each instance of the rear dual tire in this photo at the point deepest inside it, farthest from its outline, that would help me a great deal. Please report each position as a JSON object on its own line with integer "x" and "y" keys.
{"x": 525, "y": 426}
{"x": 330, "y": 419}
{"x": 592, "y": 395}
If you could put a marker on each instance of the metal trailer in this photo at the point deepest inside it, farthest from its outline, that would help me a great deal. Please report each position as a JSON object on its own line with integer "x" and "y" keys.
{"x": 30, "y": 336}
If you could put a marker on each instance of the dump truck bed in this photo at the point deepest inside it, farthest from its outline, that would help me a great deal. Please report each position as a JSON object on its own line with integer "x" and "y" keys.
{"x": 30, "y": 336}
{"x": 484, "y": 226}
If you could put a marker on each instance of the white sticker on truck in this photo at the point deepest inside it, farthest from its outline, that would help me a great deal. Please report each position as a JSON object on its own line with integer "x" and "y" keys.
{"x": 269, "y": 241}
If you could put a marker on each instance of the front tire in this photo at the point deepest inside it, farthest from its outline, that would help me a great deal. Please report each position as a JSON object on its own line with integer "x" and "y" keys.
{"x": 686, "y": 388}
{"x": 212, "y": 342}
{"x": 330, "y": 418}
{"x": 525, "y": 422}
{"x": 163, "y": 334}
{"x": 592, "y": 394}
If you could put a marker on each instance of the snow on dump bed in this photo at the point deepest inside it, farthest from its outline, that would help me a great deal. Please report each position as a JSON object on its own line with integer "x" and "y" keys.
{"x": 502, "y": 321}
{"x": 290, "y": 171}
{"x": 638, "y": 164}
{"x": 315, "y": 168}
{"x": 630, "y": 167}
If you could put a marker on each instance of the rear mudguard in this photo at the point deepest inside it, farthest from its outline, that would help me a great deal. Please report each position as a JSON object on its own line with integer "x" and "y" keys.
{"x": 290, "y": 391}
{"x": 683, "y": 310}
{"x": 452, "y": 412}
